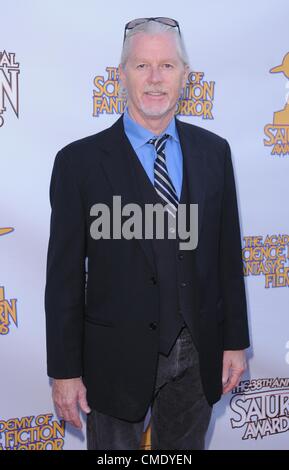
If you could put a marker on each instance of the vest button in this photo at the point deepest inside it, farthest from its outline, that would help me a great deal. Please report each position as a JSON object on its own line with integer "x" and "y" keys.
{"x": 153, "y": 280}
{"x": 180, "y": 256}
{"x": 153, "y": 325}
{"x": 183, "y": 284}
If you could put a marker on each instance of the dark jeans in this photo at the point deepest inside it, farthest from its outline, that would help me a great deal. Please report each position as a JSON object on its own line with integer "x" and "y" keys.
{"x": 180, "y": 413}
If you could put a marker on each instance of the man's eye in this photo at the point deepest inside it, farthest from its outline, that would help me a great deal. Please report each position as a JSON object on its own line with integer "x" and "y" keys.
{"x": 168, "y": 66}
{"x": 141, "y": 66}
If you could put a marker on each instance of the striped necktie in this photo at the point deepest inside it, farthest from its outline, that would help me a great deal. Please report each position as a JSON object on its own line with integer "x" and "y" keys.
{"x": 162, "y": 182}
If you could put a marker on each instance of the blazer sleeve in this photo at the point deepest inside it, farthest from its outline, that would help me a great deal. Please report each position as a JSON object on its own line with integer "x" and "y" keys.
{"x": 236, "y": 335}
{"x": 65, "y": 274}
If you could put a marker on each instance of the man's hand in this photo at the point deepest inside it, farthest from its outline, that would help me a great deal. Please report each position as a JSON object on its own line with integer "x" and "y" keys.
{"x": 67, "y": 394}
{"x": 234, "y": 364}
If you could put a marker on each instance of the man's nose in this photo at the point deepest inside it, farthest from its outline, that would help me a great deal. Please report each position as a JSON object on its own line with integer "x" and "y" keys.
{"x": 155, "y": 75}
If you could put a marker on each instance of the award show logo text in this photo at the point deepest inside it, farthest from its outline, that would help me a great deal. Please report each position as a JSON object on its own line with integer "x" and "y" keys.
{"x": 9, "y": 86}
{"x": 196, "y": 100}
{"x": 32, "y": 433}
{"x": 268, "y": 257}
{"x": 261, "y": 407}
{"x": 8, "y": 312}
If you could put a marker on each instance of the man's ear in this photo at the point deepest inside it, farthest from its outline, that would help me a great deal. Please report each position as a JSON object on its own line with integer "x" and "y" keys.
{"x": 121, "y": 74}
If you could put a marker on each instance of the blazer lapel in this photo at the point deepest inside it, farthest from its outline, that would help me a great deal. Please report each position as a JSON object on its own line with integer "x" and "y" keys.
{"x": 119, "y": 173}
{"x": 194, "y": 164}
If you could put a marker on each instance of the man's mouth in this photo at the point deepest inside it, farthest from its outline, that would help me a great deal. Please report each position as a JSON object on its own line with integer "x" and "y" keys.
{"x": 154, "y": 93}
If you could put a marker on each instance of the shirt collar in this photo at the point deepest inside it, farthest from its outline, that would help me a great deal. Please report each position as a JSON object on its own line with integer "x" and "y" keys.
{"x": 139, "y": 135}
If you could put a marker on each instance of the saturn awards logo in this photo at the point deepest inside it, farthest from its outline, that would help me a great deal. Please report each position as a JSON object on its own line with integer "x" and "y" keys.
{"x": 9, "y": 86}
{"x": 277, "y": 134}
{"x": 196, "y": 99}
{"x": 260, "y": 407}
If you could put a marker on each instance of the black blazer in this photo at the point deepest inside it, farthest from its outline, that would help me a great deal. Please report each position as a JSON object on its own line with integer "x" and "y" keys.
{"x": 104, "y": 332}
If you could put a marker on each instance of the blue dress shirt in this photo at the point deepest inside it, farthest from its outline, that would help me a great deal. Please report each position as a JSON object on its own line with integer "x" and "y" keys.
{"x": 139, "y": 136}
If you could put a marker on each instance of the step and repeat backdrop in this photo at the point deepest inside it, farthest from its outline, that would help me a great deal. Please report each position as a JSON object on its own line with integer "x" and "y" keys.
{"x": 58, "y": 83}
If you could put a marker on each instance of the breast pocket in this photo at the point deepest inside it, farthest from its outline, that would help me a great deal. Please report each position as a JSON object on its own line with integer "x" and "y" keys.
{"x": 94, "y": 320}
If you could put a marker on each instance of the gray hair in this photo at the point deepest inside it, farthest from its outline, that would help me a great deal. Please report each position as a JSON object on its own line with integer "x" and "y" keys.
{"x": 150, "y": 28}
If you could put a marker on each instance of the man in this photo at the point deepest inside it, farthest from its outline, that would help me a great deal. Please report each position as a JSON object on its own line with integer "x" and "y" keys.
{"x": 156, "y": 326}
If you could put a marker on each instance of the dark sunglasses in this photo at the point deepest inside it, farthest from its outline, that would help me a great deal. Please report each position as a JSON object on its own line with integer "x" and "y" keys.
{"x": 160, "y": 19}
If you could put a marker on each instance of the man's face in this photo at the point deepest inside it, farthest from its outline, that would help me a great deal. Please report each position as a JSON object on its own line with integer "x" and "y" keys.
{"x": 153, "y": 76}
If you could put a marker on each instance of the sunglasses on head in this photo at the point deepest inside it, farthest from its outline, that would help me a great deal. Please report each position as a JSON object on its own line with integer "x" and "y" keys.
{"x": 159, "y": 19}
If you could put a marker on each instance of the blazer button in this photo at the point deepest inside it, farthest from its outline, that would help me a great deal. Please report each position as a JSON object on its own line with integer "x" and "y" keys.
{"x": 183, "y": 284}
{"x": 153, "y": 280}
{"x": 181, "y": 256}
{"x": 153, "y": 325}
